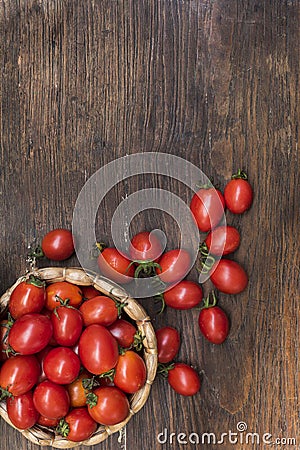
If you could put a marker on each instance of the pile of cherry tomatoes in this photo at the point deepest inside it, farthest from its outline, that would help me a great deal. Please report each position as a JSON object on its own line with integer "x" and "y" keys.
{"x": 70, "y": 358}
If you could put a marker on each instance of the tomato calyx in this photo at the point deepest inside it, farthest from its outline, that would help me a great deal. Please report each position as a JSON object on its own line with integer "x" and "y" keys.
{"x": 207, "y": 303}
{"x": 147, "y": 268}
{"x": 240, "y": 175}
{"x": 64, "y": 303}
{"x": 4, "y": 394}
{"x": 159, "y": 298}
{"x": 63, "y": 428}
{"x": 207, "y": 260}
{"x": 164, "y": 369}
{"x": 35, "y": 281}
{"x": 138, "y": 341}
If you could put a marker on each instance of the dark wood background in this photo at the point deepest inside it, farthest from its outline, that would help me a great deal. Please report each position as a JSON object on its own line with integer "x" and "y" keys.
{"x": 215, "y": 82}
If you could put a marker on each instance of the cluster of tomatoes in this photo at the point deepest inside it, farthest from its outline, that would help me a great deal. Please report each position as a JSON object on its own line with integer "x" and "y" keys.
{"x": 70, "y": 358}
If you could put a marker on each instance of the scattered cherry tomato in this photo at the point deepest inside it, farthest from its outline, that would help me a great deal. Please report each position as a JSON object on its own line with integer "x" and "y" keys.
{"x": 229, "y": 276}
{"x": 65, "y": 291}
{"x": 21, "y": 410}
{"x": 115, "y": 266}
{"x": 174, "y": 265}
{"x": 19, "y": 374}
{"x": 213, "y": 322}
{"x": 30, "y": 334}
{"x": 145, "y": 246}
{"x": 207, "y": 207}
{"x": 184, "y": 379}
{"x": 168, "y": 343}
{"x": 223, "y": 240}
{"x": 77, "y": 426}
{"x": 51, "y": 400}
{"x": 100, "y": 309}
{"x": 111, "y": 405}
{"x": 61, "y": 365}
{"x": 238, "y": 193}
{"x": 184, "y": 295}
{"x": 58, "y": 244}
{"x": 67, "y": 325}
{"x": 124, "y": 332}
{"x": 28, "y": 297}
{"x": 131, "y": 372}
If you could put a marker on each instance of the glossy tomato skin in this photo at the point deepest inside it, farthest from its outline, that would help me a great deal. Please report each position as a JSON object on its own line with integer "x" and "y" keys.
{"x": 184, "y": 295}
{"x": 145, "y": 247}
{"x": 27, "y": 298}
{"x": 51, "y": 400}
{"x": 168, "y": 343}
{"x": 46, "y": 422}
{"x": 98, "y": 349}
{"x": 223, "y": 240}
{"x": 21, "y": 411}
{"x": 61, "y": 365}
{"x": 30, "y": 333}
{"x": 184, "y": 379}
{"x": 100, "y": 309}
{"x": 19, "y": 374}
{"x": 207, "y": 207}
{"x": 131, "y": 372}
{"x": 112, "y": 406}
{"x": 81, "y": 425}
{"x": 67, "y": 325}
{"x": 58, "y": 244}
{"x": 214, "y": 324}
{"x": 238, "y": 195}
{"x": 175, "y": 264}
{"x": 76, "y": 390}
{"x": 89, "y": 292}
{"x": 229, "y": 277}
{"x": 115, "y": 266}
{"x": 124, "y": 332}
{"x": 65, "y": 291}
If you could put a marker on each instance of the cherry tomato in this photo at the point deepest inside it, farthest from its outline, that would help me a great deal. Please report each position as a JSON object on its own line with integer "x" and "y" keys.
{"x": 184, "y": 379}
{"x": 67, "y": 325}
{"x": 131, "y": 372}
{"x": 4, "y": 329}
{"x": 112, "y": 406}
{"x": 89, "y": 292}
{"x": 175, "y": 264}
{"x": 145, "y": 246}
{"x": 19, "y": 374}
{"x": 65, "y": 291}
{"x": 115, "y": 266}
{"x": 28, "y": 297}
{"x": 185, "y": 295}
{"x": 98, "y": 349}
{"x": 42, "y": 420}
{"x": 124, "y": 332}
{"x": 214, "y": 324}
{"x": 77, "y": 392}
{"x": 100, "y": 309}
{"x": 207, "y": 207}
{"x": 77, "y": 426}
{"x": 223, "y": 240}
{"x": 41, "y": 357}
{"x": 58, "y": 244}
{"x": 238, "y": 193}
{"x": 168, "y": 343}
{"x": 30, "y": 333}
{"x": 51, "y": 400}
{"x": 229, "y": 277}
{"x": 61, "y": 365}
{"x": 21, "y": 411}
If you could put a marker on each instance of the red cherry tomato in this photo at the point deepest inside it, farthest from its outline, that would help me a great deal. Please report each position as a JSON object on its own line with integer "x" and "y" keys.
{"x": 76, "y": 390}
{"x": 223, "y": 240}
{"x": 58, "y": 244}
{"x": 168, "y": 343}
{"x": 78, "y": 425}
{"x": 98, "y": 349}
{"x": 61, "y": 365}
{"x": 89, "y": 292}
{"x": 229, "y": 277}
{"x": 207, "y": 207}
{"x": 184, "y": 379}
{"x": 238, "y": 193}
{"x": 185, "y": 295}
{"x": 30, "y": 333}
{"x": 28, "y": 297}
{"x": 51, "y": 400}
{"x": 124, "y": 332}
{"x": 175, "y": 264}
{"x": 65, "y": 291}
{"x": 131, "y": 372}
{"x": 112, "y": 406}
{"x": 100, "y": 309}
{"x": 115, "y": 266}
{"x": 44, "y": 421}
{"x": 67, "y": 325}
{"x": 19, "y": 374}
{"x": 145, "y": 246}
{"x": 4, "y": 327}
{"x": 21, "y": 411}
{"x": 213, "y": 321}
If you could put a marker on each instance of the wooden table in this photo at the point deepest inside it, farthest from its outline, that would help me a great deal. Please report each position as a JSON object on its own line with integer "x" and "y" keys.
{"x": 84, "y": 83}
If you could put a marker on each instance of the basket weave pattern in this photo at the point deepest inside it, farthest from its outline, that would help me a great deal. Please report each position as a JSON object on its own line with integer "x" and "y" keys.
{"x": 44, "y": 436}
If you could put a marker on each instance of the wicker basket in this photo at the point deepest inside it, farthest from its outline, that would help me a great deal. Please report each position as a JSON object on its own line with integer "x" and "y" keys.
{"x": 45, "y": 436}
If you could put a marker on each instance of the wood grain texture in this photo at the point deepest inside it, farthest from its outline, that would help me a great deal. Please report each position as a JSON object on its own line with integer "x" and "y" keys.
{"x": 212, "y": 81}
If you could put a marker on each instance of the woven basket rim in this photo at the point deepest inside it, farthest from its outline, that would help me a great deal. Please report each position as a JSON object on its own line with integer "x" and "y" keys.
{"x": 44, "y": 436}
